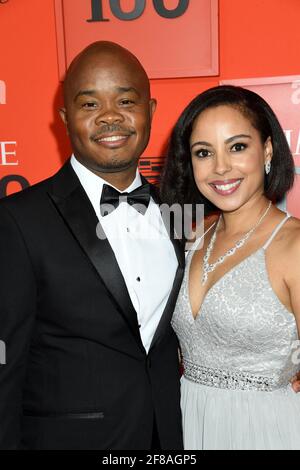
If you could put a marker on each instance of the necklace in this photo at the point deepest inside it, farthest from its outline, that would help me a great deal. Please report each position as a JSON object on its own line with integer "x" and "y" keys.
{"x": 208, "y": 268}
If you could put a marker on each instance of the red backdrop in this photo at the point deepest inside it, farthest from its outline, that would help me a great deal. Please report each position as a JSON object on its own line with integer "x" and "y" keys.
{"x": 258, "y": 38}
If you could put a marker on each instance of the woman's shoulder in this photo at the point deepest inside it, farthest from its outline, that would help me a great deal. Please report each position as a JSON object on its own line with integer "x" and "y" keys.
{"x": 289, "y": 262}
{"x": 287, "y": 244}
{"x": 291, "y": 235}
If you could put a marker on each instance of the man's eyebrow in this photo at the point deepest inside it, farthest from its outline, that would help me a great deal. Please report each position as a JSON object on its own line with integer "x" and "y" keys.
{"x": 120, "y": 89}
{"x": 227, "y": 141}
{"x": 124, "y": 89}
{"x": 84, "y": 93}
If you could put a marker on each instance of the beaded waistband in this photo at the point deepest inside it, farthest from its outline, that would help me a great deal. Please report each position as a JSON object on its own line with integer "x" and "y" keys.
{"x": 227, "y": 379}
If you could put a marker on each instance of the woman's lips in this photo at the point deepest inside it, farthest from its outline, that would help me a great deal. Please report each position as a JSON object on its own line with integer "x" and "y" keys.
{"x": 226, "y": 187}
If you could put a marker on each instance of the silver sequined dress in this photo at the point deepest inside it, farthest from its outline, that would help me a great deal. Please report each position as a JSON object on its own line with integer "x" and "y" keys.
{"x": 239, "y": 355}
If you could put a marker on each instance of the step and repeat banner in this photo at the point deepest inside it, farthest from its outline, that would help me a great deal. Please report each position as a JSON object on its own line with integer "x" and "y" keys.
{"x": 173, "y": 39}
{"x": 161, "y": 33}
{"x": 158, "y": 32}
{"x": 8, "y": 153}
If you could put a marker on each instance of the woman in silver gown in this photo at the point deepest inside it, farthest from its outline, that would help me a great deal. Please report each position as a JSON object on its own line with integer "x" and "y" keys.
{"x": 238, "y": 312}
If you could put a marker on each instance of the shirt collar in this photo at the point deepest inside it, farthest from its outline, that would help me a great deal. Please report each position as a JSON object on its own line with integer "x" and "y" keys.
{"x": 88, "y": 178}
{"x": 93, "y": 184}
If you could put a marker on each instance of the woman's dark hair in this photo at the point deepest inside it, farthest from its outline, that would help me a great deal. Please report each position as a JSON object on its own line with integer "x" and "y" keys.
{"x": 178, "y": 184}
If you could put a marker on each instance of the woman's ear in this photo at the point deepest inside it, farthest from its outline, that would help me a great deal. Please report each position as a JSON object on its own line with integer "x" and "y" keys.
{"x": 268, "y": 150}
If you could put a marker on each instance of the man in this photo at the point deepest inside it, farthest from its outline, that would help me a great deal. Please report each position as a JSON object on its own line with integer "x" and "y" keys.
{"x": 86, "y": 302}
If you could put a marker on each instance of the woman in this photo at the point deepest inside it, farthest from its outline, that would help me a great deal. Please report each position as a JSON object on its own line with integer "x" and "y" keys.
{"x": 238, "y": 312}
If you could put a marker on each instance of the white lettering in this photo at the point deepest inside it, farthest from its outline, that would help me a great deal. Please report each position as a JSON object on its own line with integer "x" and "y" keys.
{"x": 289, "y": 133}
{"x": 114, "y": 460}
{"x": 2, "y": 92}
{"x": 297, "y": 152}
{"x": 2, "y": 353}
{"x": 295, "y": 98}
{"x": 4, "y": 153}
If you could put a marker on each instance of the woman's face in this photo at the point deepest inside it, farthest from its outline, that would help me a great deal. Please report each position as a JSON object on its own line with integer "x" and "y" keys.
{"x": 228, "y": 157}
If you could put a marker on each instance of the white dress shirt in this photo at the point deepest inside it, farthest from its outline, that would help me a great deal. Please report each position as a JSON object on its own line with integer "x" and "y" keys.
{"x": 142, "y": 247}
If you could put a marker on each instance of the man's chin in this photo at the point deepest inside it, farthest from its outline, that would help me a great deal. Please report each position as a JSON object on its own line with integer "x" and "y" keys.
{"x": 117, "y": 168}
{"x": 109, "y": 167}
{"x": 114, "y": 169}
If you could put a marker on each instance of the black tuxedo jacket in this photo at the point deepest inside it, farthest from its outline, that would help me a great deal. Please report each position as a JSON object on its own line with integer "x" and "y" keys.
{"x": 77, "y": 375}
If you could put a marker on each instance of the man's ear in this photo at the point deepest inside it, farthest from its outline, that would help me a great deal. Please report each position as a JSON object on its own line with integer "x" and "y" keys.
{"x": 152, "y": 106}
{"x": 63, "y": 115}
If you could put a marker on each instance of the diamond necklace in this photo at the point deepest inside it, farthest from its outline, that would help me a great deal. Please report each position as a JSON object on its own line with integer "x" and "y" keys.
{"x": 208, "y": 268}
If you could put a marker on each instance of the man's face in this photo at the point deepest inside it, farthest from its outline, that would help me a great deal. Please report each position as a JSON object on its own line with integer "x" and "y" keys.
{"x": 108, "y": 113}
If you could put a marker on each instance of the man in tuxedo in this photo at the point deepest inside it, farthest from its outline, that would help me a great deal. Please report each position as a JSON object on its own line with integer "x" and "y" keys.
{"x": 86, "y": 295}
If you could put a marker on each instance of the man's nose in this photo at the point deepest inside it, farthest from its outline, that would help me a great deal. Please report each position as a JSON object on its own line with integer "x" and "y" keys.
{"x": 109, "y": 115}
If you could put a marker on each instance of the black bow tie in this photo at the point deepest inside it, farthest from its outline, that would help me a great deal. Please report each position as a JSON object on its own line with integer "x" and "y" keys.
{"x": 111, "y": 198}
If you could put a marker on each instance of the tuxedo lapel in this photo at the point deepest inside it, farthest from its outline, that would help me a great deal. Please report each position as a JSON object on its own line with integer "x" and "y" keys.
{"x": 169, "y": 309}
{"x": 71, "y": 201}
{"x": 179, "y": 250}
{"x": 169, "y": 225}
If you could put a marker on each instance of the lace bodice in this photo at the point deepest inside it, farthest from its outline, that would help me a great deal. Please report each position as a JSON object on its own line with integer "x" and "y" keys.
{"x": 242, "y": 327}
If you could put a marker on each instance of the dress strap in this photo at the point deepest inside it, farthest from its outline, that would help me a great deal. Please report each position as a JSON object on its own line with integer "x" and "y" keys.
{"x": 275, "y": 231}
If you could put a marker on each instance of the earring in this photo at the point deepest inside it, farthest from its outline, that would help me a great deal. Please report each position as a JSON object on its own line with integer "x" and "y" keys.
{"x": 268, "y": 167}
